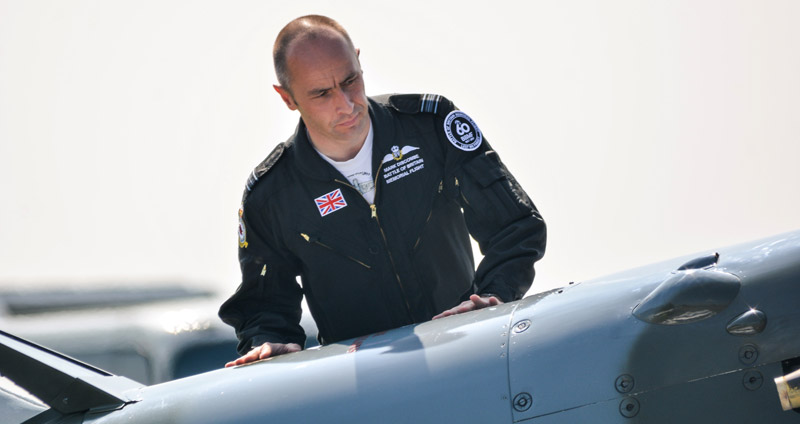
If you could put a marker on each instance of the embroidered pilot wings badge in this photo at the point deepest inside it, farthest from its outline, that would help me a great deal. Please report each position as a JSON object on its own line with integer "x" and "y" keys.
{"x": 398, "y": 153}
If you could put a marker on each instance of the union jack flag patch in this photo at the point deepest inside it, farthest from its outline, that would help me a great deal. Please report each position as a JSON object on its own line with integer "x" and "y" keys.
{"x": 330, "y": 202}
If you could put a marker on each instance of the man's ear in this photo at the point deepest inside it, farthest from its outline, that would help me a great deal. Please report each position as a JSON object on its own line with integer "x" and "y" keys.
{"x": 286, "y": 96}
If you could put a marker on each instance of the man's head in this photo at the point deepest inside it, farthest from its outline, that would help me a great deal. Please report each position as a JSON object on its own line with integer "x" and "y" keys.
{"x": 320, "y": 76}
{"x": 304, "y": 27}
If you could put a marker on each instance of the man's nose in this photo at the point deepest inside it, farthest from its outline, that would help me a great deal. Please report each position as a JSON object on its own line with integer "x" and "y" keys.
{"x": 343, "y": 102}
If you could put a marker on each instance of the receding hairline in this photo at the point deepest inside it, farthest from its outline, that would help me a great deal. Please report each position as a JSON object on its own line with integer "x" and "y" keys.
{"x": 301, "y": 29}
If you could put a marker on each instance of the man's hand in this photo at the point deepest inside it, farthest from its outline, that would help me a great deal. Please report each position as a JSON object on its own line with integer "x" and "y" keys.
{"x": 265, "y": 351}
{"x": 475, "y": 302}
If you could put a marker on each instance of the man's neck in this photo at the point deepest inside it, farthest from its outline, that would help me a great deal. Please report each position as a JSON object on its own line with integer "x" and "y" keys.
{"x": 338, "y": 150}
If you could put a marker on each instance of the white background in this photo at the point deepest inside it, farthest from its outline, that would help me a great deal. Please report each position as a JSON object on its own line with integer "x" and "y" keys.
{"x": 643, "y": 130}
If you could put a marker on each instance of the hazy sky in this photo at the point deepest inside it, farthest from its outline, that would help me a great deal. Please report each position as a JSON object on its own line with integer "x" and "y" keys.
{"x": 643, "y": 130}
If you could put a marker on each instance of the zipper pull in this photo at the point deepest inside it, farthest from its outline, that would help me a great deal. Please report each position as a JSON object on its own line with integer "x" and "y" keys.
{"x": 306, "y": 237}
{"x": 264, "y": 271}
{"x": 441, "y": 185}
{"x": 374, "y": 211}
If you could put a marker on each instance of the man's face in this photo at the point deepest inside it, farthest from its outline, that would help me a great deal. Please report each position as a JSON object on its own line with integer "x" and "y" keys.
{"x": 328, "y": 89}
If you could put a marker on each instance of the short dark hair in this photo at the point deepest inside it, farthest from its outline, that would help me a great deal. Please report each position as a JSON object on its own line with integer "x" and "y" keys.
{"x": 309, "y": 26}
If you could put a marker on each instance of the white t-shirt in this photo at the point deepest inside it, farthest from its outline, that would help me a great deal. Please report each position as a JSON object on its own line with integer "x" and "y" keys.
{"x": 358, "y": 170}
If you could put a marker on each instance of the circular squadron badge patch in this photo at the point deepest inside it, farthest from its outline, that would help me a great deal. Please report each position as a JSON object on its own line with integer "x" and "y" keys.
{"x": 462, "y": 131}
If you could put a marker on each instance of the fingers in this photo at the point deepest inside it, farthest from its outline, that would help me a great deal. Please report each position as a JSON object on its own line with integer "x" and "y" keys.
{"x": 265, "y": 351}
{"x": 478, "y": 301}
{"x": 465, "y": 306}
{"x": 446, "y": 313}
{"x": 475, "y": 302}
{"x": 252, "y": 356}
{"x": 483, "y": 302}
{"x": 441, "y": 315}
{"x": 282, "y": 349}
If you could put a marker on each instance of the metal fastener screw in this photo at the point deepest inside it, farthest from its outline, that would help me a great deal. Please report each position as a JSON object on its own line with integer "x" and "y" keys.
{"x": 748, "y": 354}
{"x": 624, "y": 383}
{"x": 629, "y": 407}
{"x": 522, "y": 326}
{"x": 752, "y": 380}
{"x": 522, "y": 402}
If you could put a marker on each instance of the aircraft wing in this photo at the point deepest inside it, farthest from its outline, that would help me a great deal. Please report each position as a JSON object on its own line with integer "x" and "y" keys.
{"x": 696, "y": 339}
{"x": 64, "y": 384}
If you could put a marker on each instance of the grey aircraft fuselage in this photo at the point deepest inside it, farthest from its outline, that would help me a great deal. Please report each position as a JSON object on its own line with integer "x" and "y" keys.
{"x": 695, "y": 339}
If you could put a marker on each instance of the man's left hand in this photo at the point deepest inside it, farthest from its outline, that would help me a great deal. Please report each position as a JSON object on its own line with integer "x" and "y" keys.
{"x": 475, "y": 302}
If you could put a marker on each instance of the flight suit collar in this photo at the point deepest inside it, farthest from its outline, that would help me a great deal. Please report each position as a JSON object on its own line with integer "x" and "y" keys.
{"x": 308, "y": 160}
{"x": 384, "y": 133}
{"x": 311, "y": 164}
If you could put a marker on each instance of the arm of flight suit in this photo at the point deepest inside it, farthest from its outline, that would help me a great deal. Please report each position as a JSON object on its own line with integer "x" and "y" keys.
{"x": 499, "y": 215}
{"x": 266, "y": 306}
{"x": 502, "y": 218}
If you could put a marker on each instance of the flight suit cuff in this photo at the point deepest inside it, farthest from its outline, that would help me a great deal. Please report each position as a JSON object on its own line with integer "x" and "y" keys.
{"x": 498, "y": 290}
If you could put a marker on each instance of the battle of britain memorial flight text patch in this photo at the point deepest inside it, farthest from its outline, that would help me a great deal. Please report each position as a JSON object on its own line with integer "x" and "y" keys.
{"x": 401, "y": 165}
{"x": 462, "y": 131}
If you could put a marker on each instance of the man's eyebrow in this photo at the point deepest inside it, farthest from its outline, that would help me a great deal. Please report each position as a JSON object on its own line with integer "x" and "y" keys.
{"x": 350, "y": 77}
{"x": 353, "y": 75}
{"x": 316, "y": 91}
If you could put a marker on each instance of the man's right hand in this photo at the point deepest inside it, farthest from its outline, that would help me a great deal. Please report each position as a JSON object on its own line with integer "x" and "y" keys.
{"x": 265, "y": 351}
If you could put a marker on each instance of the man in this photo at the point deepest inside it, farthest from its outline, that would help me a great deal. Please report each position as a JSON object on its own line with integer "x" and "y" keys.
{"x": 364, "y": 202}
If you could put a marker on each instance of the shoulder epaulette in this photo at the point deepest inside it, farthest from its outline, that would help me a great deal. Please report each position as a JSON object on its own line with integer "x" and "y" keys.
{"x": 459, "y": 128}
{"x": 421, "y": 103}
{"x": 264, "y": 167}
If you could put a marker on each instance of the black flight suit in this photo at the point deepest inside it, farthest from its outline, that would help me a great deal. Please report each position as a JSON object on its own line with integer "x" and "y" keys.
{"x": 368, "y": 268}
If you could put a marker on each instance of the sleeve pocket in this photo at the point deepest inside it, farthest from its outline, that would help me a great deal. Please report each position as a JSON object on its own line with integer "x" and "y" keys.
{"x": 492, "y": 196}
{"x": 485, "y": 168}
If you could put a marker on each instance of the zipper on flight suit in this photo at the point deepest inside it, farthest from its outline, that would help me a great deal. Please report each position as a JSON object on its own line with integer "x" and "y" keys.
{"x": 430, "y": 214}
{"x": 308, "y": 238}
{"x": 461, "y": 192}
{"x": 391, "y": 259}
{"x": 374, "y": 215}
